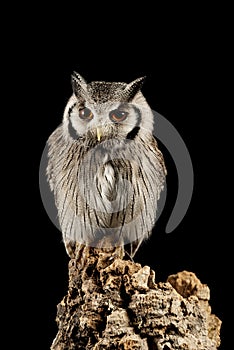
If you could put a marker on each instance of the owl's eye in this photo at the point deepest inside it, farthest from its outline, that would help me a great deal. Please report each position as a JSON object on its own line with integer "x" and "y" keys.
{"x": 85, "y": 113}
{"x": 118, "y": 116}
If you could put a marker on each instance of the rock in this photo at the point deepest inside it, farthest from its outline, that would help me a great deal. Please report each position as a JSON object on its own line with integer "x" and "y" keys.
{"x": 115, "y": 304}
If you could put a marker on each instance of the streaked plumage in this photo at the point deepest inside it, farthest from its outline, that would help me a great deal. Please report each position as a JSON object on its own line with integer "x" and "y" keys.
{"x": 104, "y": 168}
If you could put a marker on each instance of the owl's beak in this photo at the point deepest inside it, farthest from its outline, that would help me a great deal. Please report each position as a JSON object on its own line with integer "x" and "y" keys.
{"x": 99, "y": 133}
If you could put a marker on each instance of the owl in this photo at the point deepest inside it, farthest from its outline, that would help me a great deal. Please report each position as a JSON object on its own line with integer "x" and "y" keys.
{"x": 105, "y": 169}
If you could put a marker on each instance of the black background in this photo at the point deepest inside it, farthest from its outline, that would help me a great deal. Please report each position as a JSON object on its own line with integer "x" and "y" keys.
{"x": 179, "y": 58}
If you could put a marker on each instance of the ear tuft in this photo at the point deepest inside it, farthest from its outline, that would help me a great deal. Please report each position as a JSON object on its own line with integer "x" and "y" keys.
{"x": 78, "y": 83}
{"x": 132, "y": 88}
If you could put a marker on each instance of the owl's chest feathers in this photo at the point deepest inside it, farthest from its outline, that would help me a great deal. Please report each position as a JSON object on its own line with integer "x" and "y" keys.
{"x": 106, "y": 180}
{"x": 98, "y": 168}
{"x": 107, "y": 177}
{"x": 109, "y": 185}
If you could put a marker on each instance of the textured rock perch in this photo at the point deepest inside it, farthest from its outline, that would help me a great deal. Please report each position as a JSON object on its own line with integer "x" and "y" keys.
{"x": 115, "y": 304}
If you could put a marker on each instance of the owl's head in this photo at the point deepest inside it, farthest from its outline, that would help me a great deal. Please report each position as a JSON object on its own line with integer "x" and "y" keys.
{"x": 106, "y": 109}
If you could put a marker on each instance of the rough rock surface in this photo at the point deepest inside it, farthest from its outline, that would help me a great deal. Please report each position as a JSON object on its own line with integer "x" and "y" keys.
{"x": 115, "y": 304}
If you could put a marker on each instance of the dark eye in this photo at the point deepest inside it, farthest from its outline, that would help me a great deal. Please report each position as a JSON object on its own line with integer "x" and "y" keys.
{"x": 85, "y": 113}
{"x": 117, "y": 115}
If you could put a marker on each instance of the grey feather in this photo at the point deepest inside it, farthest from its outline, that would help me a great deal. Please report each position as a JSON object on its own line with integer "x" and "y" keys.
{"x": 108, "y": 187}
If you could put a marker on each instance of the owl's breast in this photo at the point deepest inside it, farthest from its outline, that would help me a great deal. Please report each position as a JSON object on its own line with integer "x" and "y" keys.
{"x": 106, "y": 182}
{"x": 114, "y": 189}
{"x": 112, "y": 186}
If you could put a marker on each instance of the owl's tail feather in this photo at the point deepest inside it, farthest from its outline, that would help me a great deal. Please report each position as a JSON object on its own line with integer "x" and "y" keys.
{"x": 132, "y": 248}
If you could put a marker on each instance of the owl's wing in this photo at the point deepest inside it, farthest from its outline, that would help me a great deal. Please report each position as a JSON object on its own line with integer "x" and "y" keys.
{"x": 55, "y": 144}
{"x": 154, "y": 147}
{"x": 153, "y": 175}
